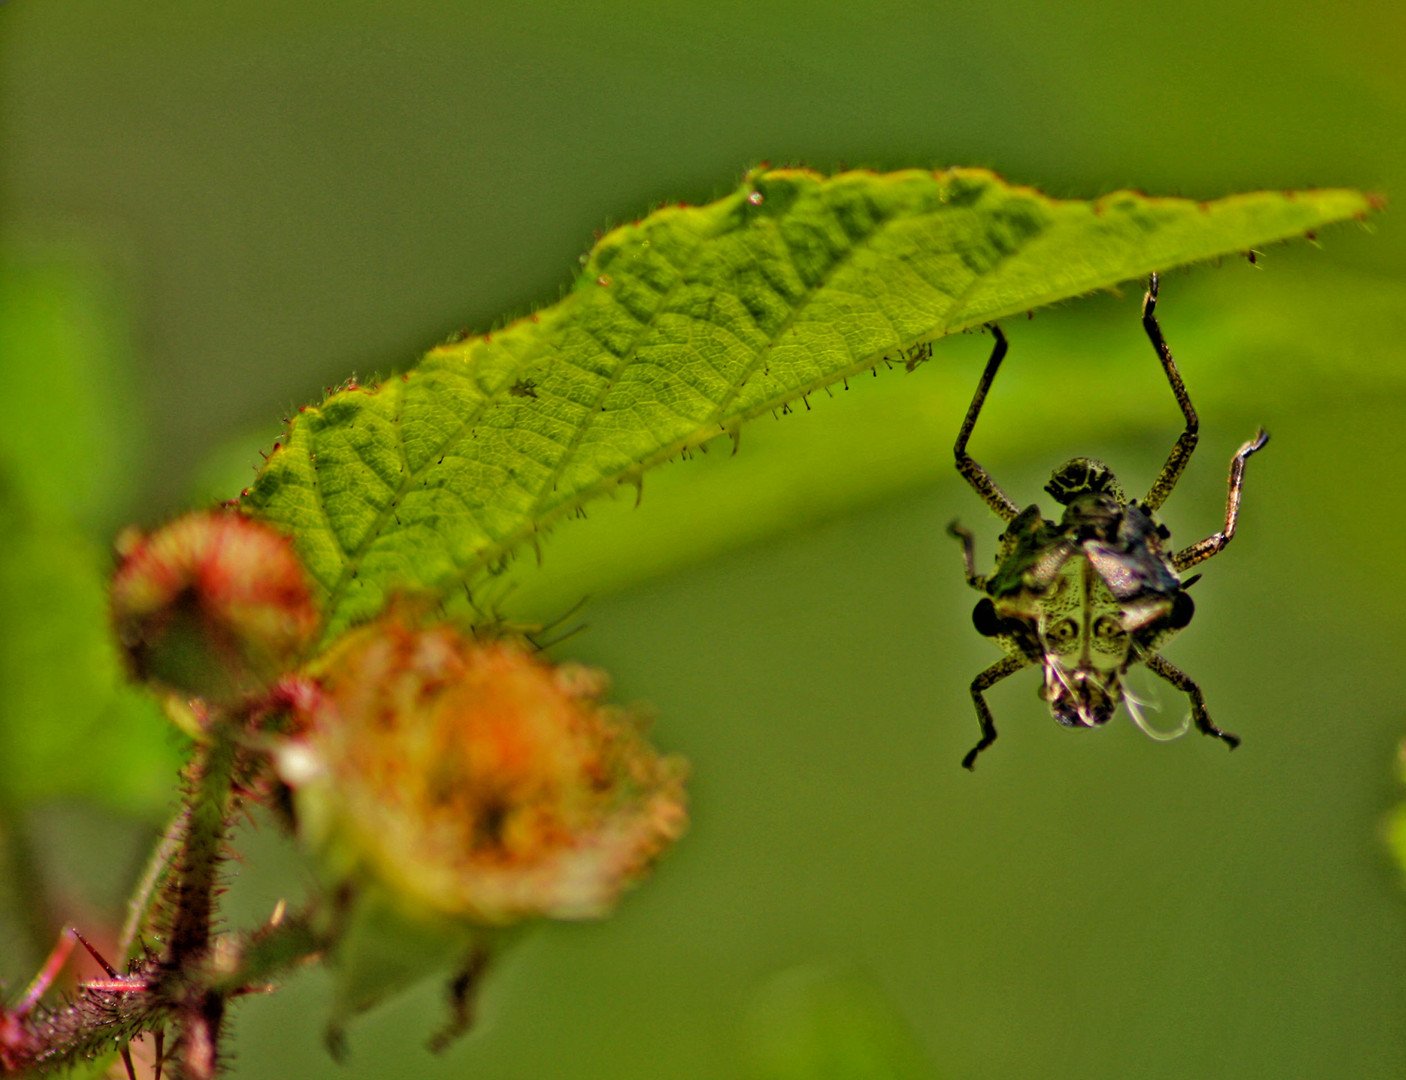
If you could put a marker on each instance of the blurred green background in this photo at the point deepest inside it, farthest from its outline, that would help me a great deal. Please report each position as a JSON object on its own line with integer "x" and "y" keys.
{"x": 209, "y": 212}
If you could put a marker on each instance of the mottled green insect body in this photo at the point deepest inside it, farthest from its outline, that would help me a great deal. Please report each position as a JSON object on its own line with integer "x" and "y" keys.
{"x": 1091, "y": 595}
{"x": 1084, "y": 598}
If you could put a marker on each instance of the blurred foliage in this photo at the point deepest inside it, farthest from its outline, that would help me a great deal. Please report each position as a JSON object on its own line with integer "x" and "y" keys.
{"x": 288, "y": 194}
{"x": 64, "y": 339}
{"x": 820, "y": 1024}
{"x": 69, "y": 724}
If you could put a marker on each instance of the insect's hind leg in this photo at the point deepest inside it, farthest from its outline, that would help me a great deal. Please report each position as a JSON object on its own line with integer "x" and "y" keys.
{"x": 985, "y": 681}
{"x": 1213, "y": 544}
{"x": 960, "y": 532}
{"x": 1181, "y": 452}
{"x": 976, "y": 476}
{"x": 1159, "y": 665}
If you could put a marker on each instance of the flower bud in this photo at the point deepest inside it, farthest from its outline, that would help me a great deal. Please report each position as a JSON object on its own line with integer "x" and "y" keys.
{"x": 475, "y": 782}
{"x": 214, "y": 605}
{"x": 450, "y": 788}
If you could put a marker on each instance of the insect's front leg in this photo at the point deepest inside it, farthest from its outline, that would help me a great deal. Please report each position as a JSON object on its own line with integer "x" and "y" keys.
{"x": 976, "y": 476}
{"x": 1183, "y": 682}
{"x": 985, "y": 681}
{"x": 1181, "y": 452}
{"x": 1202, "y": 551}
{"x": 960, "y": 532}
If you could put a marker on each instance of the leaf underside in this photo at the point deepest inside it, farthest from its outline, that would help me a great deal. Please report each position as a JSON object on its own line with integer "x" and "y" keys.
{"x": 683, "y": 326}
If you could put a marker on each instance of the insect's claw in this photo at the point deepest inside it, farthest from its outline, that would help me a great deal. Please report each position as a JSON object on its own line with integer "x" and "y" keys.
{"x": 1150, "y": 299}
{"x": 1257, "y": 443}
{"x": 969, "y": 762}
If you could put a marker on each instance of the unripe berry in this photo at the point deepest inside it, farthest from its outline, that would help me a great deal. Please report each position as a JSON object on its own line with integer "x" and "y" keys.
{"x": 214, "y": 605}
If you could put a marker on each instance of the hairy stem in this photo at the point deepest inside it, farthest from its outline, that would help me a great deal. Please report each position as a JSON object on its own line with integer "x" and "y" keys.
{"x": 199, "y": 1009}
{"x": 158, "y": 868}
{"x": 269, "y": 954}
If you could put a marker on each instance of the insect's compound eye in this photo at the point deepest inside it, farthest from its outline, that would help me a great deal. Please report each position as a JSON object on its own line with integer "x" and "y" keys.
{"x": 1062, "y": 633}
{"x": 1183, "y": 607}
{"x": 985, "y": 619}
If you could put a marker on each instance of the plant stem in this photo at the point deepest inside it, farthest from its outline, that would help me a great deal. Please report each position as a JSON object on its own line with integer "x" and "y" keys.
{"x": 139, "y": 907}
{"x": 200, "y": 1009}
{"x": 271, "y": 953}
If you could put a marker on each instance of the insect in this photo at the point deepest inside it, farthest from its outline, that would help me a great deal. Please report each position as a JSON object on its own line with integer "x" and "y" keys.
{"x": 1091, "y": 595}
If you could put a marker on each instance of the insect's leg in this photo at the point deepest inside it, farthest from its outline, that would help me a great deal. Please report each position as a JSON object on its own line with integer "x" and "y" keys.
{"x": 1202, "y": 551}
{"x": 1159, "y": 664}
{"x": 985, "y": 681}
{"x": 975, "y": 580}
{"x": 978, "y": 477}
{"x": 1181, "y": 452}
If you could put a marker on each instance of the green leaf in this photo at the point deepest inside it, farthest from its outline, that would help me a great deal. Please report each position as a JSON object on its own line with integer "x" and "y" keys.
{"x": 70, "y": 723}
{"x": 685, "y": 325}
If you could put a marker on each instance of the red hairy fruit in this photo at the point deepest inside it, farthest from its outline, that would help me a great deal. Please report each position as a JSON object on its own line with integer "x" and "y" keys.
{"x": 474, "y": 782}
{"x": 213, "y": 605}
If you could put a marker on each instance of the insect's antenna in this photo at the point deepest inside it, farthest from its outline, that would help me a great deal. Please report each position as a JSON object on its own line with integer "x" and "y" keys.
{"x": 1135, "y": 707}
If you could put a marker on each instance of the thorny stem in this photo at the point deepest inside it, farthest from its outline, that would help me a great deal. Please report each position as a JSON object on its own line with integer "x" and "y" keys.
{"x": 199, "y": 1010}
{"x": 102, "y": 1014}
{"x": 269, "y": 953}
{"x": 188, "y": 982}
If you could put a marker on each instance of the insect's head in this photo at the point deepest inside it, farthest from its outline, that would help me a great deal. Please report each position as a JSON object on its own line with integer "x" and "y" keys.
{"x": 1093, "y": 499}
{"x": 1083, "y": 476}
{"x": 1080, "y": 697}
